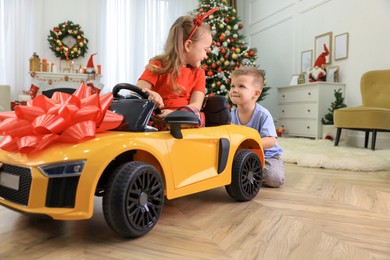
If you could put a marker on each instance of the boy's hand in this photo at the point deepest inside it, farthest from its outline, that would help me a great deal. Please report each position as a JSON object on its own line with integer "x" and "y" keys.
{"x": 155, "y": 97}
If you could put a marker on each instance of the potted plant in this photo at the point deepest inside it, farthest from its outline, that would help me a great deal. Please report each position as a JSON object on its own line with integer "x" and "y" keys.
{"x": 328, "y": 129}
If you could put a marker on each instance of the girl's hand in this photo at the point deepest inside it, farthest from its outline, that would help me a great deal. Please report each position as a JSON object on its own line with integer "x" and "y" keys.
{"x": 164, "y": 113}
{"x": 155, "y": 97}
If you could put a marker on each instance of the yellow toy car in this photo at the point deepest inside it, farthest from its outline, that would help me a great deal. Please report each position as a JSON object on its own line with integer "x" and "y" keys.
{"x": 135, "y": 168}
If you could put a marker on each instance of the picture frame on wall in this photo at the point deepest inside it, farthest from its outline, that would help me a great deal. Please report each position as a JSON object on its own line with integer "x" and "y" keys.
{"x": 319, "y": 42}
{"x": 341, "y": 46}
{"x": 306, "y": 60}
{"x": 332, "y": 73}
{"x": 294, "y": 79}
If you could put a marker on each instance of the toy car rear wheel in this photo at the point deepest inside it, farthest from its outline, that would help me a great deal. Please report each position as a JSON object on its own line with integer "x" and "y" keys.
{"x": 134, "y": 199}
{"x": 246, "y": 176}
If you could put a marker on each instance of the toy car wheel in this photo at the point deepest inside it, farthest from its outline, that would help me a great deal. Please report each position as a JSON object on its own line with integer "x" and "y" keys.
{"x": 134, "y": 199}
{"x": 246, "y": 176}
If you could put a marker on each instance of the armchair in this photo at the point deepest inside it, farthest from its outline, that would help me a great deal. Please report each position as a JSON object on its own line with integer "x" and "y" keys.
{"x": 374, "y": 113}
{"x": 5, "y": 98}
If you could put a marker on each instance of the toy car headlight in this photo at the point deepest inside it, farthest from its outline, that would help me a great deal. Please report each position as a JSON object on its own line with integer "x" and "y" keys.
{"x": 65, "y": 169}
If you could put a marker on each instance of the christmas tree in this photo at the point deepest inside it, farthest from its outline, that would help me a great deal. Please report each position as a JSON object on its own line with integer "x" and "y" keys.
{"x": 338, "y": 103}
{"x": 228, "y": 50}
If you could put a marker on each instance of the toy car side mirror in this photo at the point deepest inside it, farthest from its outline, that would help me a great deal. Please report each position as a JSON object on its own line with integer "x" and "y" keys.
{"x": 177, "y": 118}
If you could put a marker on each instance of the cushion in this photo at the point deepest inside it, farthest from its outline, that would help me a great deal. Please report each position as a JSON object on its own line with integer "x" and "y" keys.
{"x": 362, "y": 117}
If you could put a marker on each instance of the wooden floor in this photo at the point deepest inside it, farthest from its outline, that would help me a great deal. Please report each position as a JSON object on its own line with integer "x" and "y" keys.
{"x": 318, "y": 214}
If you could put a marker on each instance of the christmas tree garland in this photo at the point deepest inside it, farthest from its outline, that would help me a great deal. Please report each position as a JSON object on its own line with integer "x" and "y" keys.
{"x": 60, "y": 49}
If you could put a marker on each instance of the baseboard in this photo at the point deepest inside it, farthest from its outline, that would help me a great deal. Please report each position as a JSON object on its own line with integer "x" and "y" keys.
{"x": 356, "y": 139}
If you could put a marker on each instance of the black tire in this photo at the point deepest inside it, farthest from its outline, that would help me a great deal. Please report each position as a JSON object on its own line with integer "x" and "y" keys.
{"x": 134, "y": 199}
{"x": 247, "y": 176}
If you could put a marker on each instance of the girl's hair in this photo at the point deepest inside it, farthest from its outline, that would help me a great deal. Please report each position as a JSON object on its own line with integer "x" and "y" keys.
{"x": 172, "y": 58}
{"x": 258, "y": 76}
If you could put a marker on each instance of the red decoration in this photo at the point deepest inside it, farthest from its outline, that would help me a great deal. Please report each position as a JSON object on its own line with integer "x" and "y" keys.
{"x": 33, "y": 91}
{"x": 199, "y": 20}
{"x": 63, "y": 118}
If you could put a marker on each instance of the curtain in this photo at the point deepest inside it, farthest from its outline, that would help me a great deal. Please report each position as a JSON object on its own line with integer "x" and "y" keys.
{"x": 16, "y": 31}
{"x": 134, "y": 32}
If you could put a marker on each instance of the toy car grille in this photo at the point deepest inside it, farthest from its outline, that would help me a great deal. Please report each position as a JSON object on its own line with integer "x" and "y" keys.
{"x": 21, "y": 195}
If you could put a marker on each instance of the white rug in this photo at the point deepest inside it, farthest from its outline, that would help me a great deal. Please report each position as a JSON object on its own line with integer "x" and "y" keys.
{"x": 323, "y": 154}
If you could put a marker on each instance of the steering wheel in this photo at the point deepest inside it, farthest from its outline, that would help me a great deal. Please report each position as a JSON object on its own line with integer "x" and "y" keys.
{"x": 133, "y": 88}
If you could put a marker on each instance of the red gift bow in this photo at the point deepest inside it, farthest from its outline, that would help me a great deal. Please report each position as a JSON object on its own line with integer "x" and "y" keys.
{"x": 63, "y": 118}
{"x": 199, "y": 20}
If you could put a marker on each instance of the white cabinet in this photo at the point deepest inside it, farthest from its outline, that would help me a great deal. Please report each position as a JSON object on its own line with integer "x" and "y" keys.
{"x": 301, "y": 107}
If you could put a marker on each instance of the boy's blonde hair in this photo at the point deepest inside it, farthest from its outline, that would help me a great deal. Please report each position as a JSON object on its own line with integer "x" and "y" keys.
{"x": 172, "y": 58}
{"x": 258, "y": 77}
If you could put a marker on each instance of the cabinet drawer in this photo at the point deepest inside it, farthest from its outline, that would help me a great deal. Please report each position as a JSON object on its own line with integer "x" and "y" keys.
{"x": 300, "y": 127}
{"x": 298, "y": 95}
{"x": 306, "y": 110}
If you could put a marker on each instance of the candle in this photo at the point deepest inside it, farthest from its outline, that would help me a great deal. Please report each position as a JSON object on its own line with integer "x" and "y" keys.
{"x": 44, "y": 65}
{"x": 99, "y": 67}
{"x": 66, "y": 55}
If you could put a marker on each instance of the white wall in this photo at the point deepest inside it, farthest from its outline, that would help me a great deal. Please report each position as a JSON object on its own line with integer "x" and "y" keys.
{"x": 282, "y": 29}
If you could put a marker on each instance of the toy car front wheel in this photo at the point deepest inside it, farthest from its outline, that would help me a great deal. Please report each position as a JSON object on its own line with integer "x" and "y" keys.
{"x": 246, "y": 176}
{"x": 134, "y": 199}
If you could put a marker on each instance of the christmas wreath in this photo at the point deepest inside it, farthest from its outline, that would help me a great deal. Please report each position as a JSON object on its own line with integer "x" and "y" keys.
{"x": 67, "y": 41}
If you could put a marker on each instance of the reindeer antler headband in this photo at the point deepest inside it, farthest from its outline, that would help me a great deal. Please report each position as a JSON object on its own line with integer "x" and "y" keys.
{"x": 199, "y": 20}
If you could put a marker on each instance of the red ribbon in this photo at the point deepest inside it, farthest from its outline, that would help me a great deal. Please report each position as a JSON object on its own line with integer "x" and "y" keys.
{"x": 63, "y": 118}
{"x": 199, "y": 20}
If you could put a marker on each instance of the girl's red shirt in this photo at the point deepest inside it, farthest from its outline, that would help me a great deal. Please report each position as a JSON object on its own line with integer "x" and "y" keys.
{"x": 189, "y": 80}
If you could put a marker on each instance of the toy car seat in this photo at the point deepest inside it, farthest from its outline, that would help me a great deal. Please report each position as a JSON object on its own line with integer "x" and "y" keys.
{"x": 216, "y": 111}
